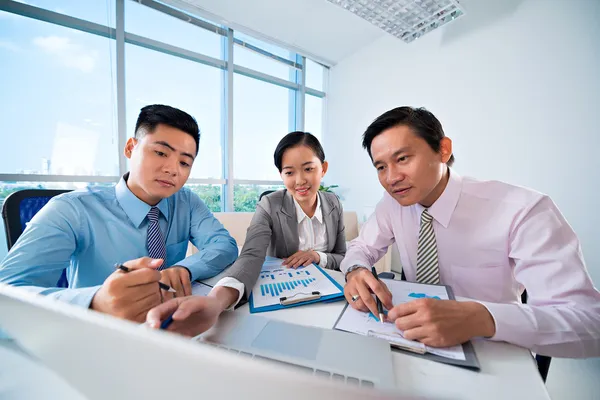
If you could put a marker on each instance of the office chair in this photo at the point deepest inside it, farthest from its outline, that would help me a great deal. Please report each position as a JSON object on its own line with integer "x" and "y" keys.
{"x": 543, "y": 362}
{"x": 18, "y": 209}
{"x": 266, "y": 192}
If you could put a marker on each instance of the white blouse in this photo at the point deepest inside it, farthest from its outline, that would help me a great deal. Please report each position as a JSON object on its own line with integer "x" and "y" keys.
{"x": 312, "y": 232}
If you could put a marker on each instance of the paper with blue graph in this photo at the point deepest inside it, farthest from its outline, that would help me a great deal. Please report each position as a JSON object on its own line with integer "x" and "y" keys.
{"x": 276, "y": 282}
{"x": 402, "y": 292}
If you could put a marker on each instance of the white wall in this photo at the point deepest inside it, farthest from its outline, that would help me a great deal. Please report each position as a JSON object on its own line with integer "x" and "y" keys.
{"x": 516, "y": 85}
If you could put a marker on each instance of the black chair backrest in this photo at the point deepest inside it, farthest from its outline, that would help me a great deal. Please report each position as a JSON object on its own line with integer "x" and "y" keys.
{"x": 19, "y": 207}
{"x": 543, "y": 362}
{"x": 266, "y": 192}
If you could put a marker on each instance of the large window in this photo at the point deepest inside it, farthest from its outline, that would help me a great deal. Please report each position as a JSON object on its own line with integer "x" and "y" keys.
{"x": 195, "y": 88}
{"x": 315, "y": 75}
{"x": 144, "y": 21}
{"x": 255, "y": 59}
{"x": 57, "y": 100}
{"x": 314, "y": 116}
{"x": 210, "y": 195}
{"x": 98, "y": 11}
{"x": 260, "y": 120}
{"x": 65, "y": 118}
{"x": 247, "y": 196}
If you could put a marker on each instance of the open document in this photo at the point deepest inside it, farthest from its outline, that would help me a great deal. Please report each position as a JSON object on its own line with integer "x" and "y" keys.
{"x": 368, "y": 324}
{"x": 303, "y": 285}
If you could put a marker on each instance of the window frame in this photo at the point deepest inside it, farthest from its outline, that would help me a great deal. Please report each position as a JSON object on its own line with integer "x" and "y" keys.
{"x": 225, "y": 63}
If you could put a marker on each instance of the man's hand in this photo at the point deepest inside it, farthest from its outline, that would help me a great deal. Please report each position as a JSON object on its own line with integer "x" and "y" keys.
{"x": 130, "y": 295}
{"x": 179, "y": 279}
{"x": 442, "y": 323}
{"x": 363, "y": 284}
{"x": 193, "y": 315}
{"x": 302, "y": 258}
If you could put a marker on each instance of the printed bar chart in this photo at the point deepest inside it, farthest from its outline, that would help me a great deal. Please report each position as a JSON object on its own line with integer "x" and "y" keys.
{"x": 276, "y": 281}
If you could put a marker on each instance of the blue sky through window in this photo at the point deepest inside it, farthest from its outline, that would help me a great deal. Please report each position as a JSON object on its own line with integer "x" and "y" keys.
{"x": 58, "y": 96}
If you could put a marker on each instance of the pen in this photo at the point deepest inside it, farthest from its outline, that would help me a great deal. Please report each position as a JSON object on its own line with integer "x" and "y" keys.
{"x": 165, "y": 324}
{"x": 160, "y": 284}
{"x": 379, "y": 305}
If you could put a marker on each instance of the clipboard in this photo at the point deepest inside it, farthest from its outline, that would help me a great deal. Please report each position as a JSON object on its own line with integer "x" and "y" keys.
{"x": 399, "y": 344}
{"x": 321, "y": 288}
{"x": 299, "y": 298}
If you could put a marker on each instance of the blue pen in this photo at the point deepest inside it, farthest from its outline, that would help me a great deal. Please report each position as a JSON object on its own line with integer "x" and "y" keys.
{"x": 379, "y": 304}
{"x": 167, "y": 322}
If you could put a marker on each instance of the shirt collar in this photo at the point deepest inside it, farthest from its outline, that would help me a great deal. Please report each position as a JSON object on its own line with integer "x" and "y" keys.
{"x": 135, "y": 208}
{"x": 300, "y": 214}
{"x": 444, "y": 206}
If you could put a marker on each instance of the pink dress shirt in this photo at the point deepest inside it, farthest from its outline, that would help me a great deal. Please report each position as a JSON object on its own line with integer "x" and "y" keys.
{"x": 494, "y": 240}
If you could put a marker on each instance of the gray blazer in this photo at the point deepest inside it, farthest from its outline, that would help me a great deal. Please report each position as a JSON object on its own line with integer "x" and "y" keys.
{"x": 274, "y": 232}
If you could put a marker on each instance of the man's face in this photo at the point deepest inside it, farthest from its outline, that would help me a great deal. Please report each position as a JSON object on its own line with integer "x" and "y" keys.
{"x": 161, "y": 163}
{"x": 407, "y": 167}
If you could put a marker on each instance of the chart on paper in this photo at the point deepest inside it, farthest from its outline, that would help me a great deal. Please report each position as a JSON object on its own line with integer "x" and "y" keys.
{"x": 278, "y": 282}
{"x": 402, "y": 292}
{"x": 272, "y": 284}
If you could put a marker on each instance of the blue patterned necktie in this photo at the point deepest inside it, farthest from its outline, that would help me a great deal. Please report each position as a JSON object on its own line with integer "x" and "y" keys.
{"x": 156, "y": 242}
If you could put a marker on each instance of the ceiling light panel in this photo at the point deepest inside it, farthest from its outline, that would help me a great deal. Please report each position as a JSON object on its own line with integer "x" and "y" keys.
{"x": 405, "y": 19}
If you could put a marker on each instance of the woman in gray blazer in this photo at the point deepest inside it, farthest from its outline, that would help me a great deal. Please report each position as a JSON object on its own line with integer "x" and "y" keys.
{"x": 300, "y": 224}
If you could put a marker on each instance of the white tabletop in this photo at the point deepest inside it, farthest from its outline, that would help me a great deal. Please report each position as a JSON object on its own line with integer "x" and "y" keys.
{"x": 507, "y": 371}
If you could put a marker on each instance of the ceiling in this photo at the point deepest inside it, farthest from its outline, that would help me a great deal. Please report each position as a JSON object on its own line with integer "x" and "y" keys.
{"x": 315, "y": 28}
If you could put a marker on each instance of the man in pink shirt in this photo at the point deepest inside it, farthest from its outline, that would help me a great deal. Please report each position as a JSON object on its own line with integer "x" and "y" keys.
{"x": 488, "y": 240}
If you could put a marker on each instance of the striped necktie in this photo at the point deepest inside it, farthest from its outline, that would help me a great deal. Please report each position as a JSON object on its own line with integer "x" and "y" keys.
{"x": 156, "y": 242}
{"x": 427, "y": 257}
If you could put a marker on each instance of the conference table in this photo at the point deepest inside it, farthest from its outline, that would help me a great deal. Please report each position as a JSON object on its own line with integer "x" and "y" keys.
{"x": 507, "y": 371}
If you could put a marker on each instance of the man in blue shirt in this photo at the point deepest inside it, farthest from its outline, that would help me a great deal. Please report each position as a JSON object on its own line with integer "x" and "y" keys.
{"x": 144, "y": 222}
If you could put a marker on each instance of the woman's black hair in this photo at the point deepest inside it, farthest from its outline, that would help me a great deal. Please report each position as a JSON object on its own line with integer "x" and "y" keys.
{"x": 294, "y": 139}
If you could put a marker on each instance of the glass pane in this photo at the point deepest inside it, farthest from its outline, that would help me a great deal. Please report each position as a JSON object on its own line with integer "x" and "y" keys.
{"x": 314, "y": 75}
{"x": 271, "y": 48}
{"x": 57, "y": 97}
{"x": 145, "y": 21}
{"x": 210, "y": 195}
{"x": 251, "y": 59}
{"x": 99, "y": 11}
{"x": 313, "y": 121}
{"x": 260, "y": 120}
{"x": 7, "y": 188}
{"x": 194, "y": 88}
{"x": 245, "y": 197}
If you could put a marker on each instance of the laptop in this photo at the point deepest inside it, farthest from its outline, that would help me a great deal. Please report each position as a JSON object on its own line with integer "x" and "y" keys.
{"x": 333, "y": 355}
{"x": 104, "y": 357}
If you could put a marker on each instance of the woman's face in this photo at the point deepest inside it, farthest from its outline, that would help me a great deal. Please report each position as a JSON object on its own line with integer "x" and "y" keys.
{"x": 302, "y": 172}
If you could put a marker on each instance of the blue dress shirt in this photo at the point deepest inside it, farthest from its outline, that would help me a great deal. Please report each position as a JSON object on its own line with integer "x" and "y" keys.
{"x": 89, "y": 231}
